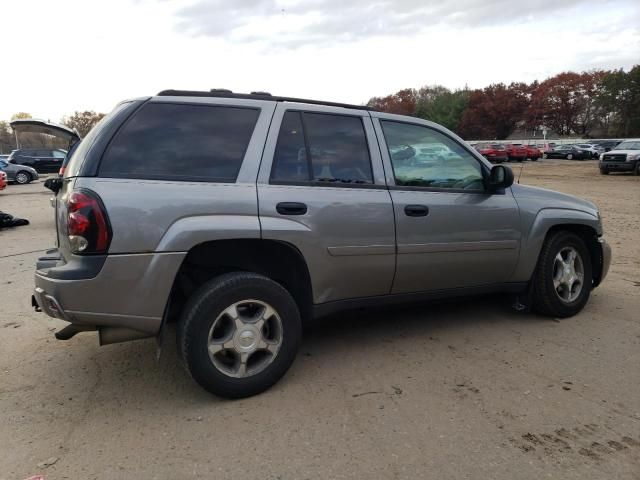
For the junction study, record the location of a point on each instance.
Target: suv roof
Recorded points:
(224, 93)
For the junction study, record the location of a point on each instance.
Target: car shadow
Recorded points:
(132, 368)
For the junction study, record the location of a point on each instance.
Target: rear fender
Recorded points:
(186, 233)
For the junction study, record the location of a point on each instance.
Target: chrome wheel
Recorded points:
(568, 274)
(245, 338)
(22, 178)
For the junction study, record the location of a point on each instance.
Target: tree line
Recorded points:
(598, 103)
(82, 122)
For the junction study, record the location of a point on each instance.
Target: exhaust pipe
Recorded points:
(109, 335)
(72, 330)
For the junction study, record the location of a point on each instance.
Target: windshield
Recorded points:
(633, 145)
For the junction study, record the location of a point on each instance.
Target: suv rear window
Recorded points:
(320, 147)
(181, 142)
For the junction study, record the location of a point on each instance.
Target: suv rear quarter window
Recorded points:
(181, 142)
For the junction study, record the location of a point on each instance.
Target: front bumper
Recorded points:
(618, 166)
(605, 255)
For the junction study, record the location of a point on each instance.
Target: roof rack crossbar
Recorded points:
(219, 93)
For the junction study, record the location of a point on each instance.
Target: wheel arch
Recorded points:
(549, 221)
(280, 261)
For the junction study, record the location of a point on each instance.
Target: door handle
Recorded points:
(291, 208)
(416, 210)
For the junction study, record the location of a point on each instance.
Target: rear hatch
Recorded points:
(33, 125)
(69, 135)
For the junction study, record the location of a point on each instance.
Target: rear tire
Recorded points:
(570, 157)
(559, 289)
(23, 177)
(218, 348)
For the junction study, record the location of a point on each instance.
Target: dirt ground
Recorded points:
(470, 389)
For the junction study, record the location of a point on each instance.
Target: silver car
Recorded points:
(240, 216)
(21, 174)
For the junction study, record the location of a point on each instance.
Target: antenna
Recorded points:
(521, 169)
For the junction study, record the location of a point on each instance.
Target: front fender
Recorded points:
(535, 231)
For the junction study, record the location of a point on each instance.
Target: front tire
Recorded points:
(563, 277)
(636, 171)
(239, 334)
(23, 177)
(604, 171)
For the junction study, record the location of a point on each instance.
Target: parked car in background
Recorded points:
(21, 174)
(623, 158)
(533, 152)
(3, 180)
(304, 208)
(608, 144)
(4, 157)
(43, 160)
(516, 151)
(494, 152)
(570, 152)
(545, 147)
(593, 148)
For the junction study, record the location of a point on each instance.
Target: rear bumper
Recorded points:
(128, 291)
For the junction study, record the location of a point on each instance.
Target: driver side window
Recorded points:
(423, 157)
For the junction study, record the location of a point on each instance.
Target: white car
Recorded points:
(594, 149)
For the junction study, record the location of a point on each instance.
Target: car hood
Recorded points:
(32, 125)
(553, 199)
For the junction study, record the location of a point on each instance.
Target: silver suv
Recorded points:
(240, 216)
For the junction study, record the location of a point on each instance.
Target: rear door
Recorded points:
(321, 188)
(451, 232)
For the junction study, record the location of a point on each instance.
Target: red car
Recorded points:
(516, 151)
(3, 180)
(494, 152)
(533, 152)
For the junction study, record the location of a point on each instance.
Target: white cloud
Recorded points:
(79, 54)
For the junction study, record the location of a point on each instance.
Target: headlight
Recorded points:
(601, 157)
(633, 157)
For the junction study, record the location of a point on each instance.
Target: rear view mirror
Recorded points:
(499, 177)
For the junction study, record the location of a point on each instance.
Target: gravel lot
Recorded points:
(469, 389)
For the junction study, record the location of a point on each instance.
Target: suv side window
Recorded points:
(320, 147)
(424, 157)
(58, 154)
(181, 142)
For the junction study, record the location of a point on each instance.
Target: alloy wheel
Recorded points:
(245, 338)
(22, 178)
(568, 274)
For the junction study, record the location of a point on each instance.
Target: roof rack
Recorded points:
(224, 93)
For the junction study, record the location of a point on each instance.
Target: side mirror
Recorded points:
(54, 184)
(499, 177)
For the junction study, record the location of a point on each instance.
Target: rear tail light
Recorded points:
(87, 223)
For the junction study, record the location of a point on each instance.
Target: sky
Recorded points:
(67, 55)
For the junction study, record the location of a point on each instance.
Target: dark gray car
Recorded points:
(241, 216)
(21, 174)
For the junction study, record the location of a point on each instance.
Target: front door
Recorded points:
(451, 232)
(321, 188)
